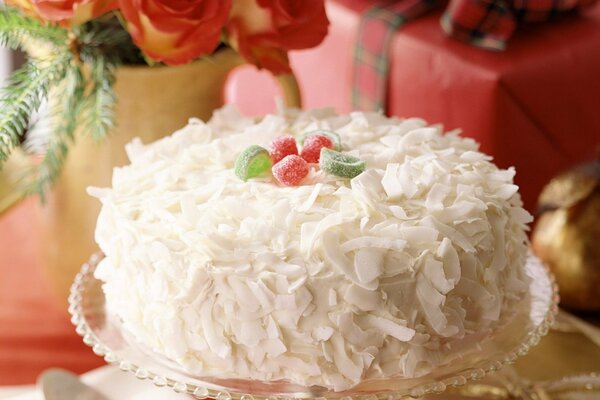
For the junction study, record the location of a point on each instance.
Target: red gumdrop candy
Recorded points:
(291, 170)
(311, 151)
(282, 146)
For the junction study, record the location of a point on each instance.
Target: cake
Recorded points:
(331, 282)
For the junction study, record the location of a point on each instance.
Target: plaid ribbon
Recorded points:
(483, 23)
(371, 52)
(490, 23)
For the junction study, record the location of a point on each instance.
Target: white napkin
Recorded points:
(110, 381)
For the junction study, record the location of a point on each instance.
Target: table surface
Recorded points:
(35, 328)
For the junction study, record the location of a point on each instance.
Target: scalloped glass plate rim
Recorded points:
(103, 333)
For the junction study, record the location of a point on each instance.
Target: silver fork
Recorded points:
(58, 384)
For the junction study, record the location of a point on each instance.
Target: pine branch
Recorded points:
(73, 98)
(63, 120)
(96, 112)
(85, 98)
(107, 38)
(41, 177)
(98, 108)
(101, 45)
(16, 27)
(26, 89)
(86, 107)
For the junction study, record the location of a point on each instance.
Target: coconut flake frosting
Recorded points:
(328, 283)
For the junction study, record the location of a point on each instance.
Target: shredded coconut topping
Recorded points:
(328, 283)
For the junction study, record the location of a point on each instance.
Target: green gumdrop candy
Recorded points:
(331, 135)
(338, 164)
(252, 162)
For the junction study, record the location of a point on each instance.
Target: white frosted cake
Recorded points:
(329, 282)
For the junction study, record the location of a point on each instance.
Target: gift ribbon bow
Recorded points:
(483, 23)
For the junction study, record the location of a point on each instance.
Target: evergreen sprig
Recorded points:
(15, 28)
(98, 112)
(106, 38)
(79, 67)
(63, 121)
(85, 107)
(27, 88)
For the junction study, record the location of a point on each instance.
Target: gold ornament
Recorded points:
(567, 235)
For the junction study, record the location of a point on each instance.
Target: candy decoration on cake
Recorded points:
(291, 170)
(252, 162)
(283, 146)
(331, 135)
(339, 164)
(311, 149)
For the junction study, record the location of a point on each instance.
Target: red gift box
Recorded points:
(533, 106)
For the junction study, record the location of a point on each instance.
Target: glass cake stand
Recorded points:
(104, 333)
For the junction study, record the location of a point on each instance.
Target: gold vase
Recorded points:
(152, 102)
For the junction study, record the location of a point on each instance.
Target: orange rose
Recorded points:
(264, 30)
(175, 32)
(66, 12)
